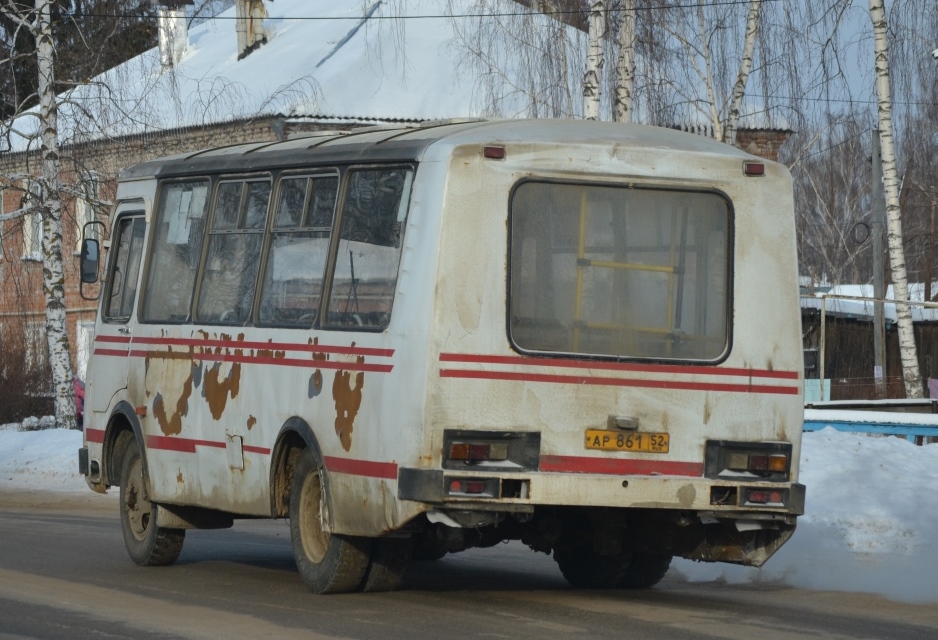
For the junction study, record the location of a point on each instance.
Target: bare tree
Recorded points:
(625, 66)
(594, 60)
(48, 205)
(907, 350)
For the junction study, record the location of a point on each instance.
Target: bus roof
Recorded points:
(408, 143)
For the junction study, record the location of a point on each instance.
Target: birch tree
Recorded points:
(907, 351)
(625, 66)
(594, 60)
(742, 77)
(48, 205)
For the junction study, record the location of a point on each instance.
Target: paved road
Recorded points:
(64, 574)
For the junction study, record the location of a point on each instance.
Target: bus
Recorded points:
(413, 340)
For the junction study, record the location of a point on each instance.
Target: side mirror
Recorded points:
(90, 259)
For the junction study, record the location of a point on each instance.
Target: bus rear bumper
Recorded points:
(696, 518)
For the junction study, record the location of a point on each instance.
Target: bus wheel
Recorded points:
(147, 544)
(389, 560)
(645, 570)
(586, 569)
(327, 563)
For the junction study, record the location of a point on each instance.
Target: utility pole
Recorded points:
(878, 224)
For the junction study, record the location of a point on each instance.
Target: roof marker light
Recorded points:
(753, 168)
(494, 153)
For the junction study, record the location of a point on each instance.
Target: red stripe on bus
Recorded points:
(367, 468)
(264, 451)
(284, 362)
(118, 339)
(188, 445)
(620, 466)
(616, 382)
(94, 435)
(273, 346)
(111, 352)
(183, 445)
(616, 366)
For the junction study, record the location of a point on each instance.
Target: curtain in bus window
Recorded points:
(296, 260)
(177, 248)
(229, 277)
(373, 214)
(619, 272)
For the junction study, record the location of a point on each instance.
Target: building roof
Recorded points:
(343, 61)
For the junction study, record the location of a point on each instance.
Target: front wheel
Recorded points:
(147, 544)
(327, 562)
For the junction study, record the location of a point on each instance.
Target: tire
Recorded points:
(147, 544)
(586, 569)
(327, 563)
(645, 570)
(389, 560)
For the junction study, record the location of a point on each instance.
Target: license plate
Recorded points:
(627, 441)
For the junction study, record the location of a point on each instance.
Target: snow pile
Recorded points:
(871, 523)
(40, 460)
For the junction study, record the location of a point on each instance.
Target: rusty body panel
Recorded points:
(218, 397)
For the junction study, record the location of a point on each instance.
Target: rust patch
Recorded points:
(707, 409)
(251, 422)
(169, 379)
(179, 478)
(347, 402)
(217, 390)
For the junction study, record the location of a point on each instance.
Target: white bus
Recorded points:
(415, 340)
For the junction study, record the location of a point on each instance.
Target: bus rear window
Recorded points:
(619, 272)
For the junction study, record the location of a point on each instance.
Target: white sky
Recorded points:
(871, 523)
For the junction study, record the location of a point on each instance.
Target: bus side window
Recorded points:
(234, 250)
(122, 281)
(299, 248)
(373, 215)
(177, 248)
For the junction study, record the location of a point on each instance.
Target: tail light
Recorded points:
(755, 460)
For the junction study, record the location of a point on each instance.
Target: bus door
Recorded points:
(107, 371)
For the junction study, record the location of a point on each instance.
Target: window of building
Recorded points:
(299, 249)
(619, 272)
(36, 346)
(84, 332)
(374, 210)
(226, 294)
(85, 211)
(177, 248)
(32, 222)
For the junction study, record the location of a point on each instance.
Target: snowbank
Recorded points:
(871, 523)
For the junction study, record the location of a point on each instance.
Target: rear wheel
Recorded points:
(147, 544)
(327, 562)
(645, 570)
(586, 569)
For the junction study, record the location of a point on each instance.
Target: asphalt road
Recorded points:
(64, 574)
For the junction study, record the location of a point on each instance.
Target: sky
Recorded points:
(871, 521)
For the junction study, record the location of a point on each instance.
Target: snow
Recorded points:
(840, 300)
(871, 521)
(355, 62)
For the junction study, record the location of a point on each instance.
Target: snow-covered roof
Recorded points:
(846, 306)
(341, 61)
